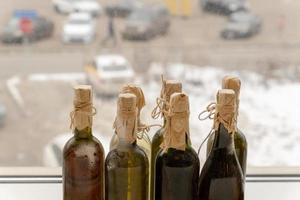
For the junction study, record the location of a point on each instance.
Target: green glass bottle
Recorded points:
(126, 166)
(177, 165)
(240, 141)
(168, 88)
(143, 139)
(222, 177)
(83, 154)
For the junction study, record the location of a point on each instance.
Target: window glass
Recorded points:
(197, 42)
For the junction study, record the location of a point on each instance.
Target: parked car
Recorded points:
(53, 151)
(241, 25)
(122, 8)
(80, 27)
(225, 7)
(147, 23)
(68, 6)
(26, 26)
(108, 73)
(2, 114)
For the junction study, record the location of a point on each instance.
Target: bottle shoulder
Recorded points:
(240, 138)
(179, 157)
(131, 155)
(76, 144)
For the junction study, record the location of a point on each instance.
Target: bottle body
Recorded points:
(83, 167)
(126, 173)
(221, 177)
(177, 175)
(240, 145)
(155, 149)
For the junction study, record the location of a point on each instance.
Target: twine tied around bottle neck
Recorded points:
(177, 123)
(81, 116)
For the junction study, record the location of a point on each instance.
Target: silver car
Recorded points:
(241, 25)
(147, 23)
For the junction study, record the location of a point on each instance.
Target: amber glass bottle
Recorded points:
(177, 165)
(222, 177)
(240, 142)
(83, 154)
(126, 166)
(168, 88)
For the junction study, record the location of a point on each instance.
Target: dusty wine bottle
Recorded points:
(240, 142)
(168, 88)
(126, 166)
(83, 154)
(222, 177)
(143, 139)
(177, 165)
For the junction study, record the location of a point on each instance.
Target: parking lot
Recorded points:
(194, 40)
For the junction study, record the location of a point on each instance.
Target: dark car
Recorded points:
(122, 8)
(147, 23)
(224, 7)
(242, 25)
(26, 26)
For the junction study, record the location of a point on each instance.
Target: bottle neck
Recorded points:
(85, 133)
(223, 139)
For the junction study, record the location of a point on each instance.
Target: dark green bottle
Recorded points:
(177, 165)
(168, 88)
(126, 166)
(222, 177)
(240, 141)
(83, 154)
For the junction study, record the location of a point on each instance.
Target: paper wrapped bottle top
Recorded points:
(233, 83)
(226, 110)
(83, 107)
(125, 122)
(138, 92)
(177, 127)
(170, 87)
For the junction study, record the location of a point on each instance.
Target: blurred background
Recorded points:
(49, 46)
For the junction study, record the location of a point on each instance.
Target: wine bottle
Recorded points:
(126, 166)
(222, 177)
(143, 139)
(177, 165)
(83, 154)
(168, 88)
(240, 142)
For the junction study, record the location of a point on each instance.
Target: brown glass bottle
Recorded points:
(177, 165)
(222, 177)
(83, 154)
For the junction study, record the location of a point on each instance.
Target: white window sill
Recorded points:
(45, 183)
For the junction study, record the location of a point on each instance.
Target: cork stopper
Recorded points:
(125, 122)
(233, 83)
(177, 127)
(83, 109)
(138, 92)
(226, 110)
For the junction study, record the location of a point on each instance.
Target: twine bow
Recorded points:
(79, 107)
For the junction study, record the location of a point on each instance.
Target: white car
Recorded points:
(80, 27)
(108, 73)
(68, 6)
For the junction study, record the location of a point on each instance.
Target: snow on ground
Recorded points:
(269, 112)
